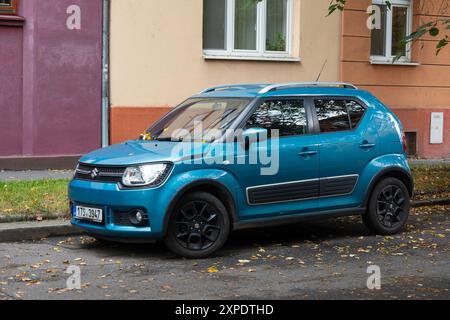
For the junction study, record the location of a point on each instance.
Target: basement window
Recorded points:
(411, 143)
(9, 6)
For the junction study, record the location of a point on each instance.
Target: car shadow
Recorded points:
(317, 231)
(242, 240)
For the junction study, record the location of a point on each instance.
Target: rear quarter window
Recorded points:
(332, 115)
(336, 115)
(356, 112)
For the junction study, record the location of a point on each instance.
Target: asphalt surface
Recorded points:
(315, 260)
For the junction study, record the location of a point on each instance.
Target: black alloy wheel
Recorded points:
(198, 226)
(388, 208)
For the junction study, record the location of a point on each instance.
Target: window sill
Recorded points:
(11, 20)
(376, 61)
(252, 58)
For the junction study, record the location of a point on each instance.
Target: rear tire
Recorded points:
(388, 208)
(198, 226)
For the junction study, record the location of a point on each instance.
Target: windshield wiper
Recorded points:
(169, 139)
(164, 139)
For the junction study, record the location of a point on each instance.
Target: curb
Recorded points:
(16, 218)
(424, 203)
(10, 232)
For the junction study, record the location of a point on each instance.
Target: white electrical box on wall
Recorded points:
(437, 128)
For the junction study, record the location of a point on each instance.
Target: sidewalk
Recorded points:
(429, 162)
(67, 174)
(35, 175)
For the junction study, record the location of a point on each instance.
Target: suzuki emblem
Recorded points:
(94, 173)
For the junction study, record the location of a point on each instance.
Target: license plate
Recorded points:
(89, 214)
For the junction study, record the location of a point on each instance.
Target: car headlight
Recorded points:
(145, 175)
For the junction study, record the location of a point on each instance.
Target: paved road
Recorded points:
(327, 259)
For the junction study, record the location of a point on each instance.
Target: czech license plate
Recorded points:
(89, 214)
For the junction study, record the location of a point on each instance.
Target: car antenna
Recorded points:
(320, 73)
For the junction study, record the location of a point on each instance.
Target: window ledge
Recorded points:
(252, 58)
(11, 20)
(396, 63)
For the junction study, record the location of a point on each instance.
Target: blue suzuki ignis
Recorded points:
(242, 156)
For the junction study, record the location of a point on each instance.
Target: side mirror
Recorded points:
(253, 135)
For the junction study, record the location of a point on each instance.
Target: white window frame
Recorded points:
(375, 59)
(260, 53)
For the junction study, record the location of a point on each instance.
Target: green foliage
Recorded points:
(336, 5)
(278, 45)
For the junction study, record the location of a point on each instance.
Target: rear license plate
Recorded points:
(88, 214)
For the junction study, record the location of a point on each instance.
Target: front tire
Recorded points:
(198, 226)
(388, 208)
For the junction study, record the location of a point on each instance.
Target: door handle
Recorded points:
(307, 153)
(367, 145)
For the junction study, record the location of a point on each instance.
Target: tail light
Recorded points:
(405, 146)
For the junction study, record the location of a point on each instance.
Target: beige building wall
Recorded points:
(157, 57)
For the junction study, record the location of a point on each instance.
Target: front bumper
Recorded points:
(114, 201)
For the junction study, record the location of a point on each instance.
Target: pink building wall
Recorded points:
(51, 103)
(10, 90)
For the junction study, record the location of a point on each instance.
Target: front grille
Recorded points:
(99, 173)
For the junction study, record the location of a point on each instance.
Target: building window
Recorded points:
(247, 28)
(396, 24)
(8, 6)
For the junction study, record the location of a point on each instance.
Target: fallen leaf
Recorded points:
(244, 261)
(33, 282)
(213, 269)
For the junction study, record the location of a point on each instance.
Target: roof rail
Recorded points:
(235, 87)
(275, 87)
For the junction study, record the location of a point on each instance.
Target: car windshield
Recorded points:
(199, 119)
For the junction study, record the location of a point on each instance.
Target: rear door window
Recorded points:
(286, 116)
